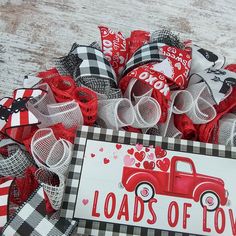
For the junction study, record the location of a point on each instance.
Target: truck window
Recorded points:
(184, 167)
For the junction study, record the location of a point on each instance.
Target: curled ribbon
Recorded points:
(50, 153)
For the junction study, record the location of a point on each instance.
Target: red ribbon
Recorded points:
(136, 40)
(114, 48)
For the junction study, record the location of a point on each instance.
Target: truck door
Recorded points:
(183, 178)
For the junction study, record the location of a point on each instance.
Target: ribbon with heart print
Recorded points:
(114, 47)
(16, 121)
(136, 40)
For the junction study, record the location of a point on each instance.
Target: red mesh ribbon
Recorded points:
(209, 132)
(115, 49)
(88, 102)
(24, 186)
(185, 125)
(62, 88)
(136, 40)
(48, 73)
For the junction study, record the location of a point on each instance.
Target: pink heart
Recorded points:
(128, 161)
(92, 155)
(139, 146)
(101, 149)
(85, 201)
(115, 157)
(150, 156)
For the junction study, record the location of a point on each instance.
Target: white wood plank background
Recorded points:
(33, 31)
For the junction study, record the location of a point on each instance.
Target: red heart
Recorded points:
(149, 165)
(139, 155)
(137, 164)
(92, 155)
(106, 160)
(85, 201)
(131, 151)
(159, 152)
(163, 164)
(118, 146)
(147, 149)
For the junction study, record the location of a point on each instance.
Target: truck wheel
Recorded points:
(210, 200)
(145, 191)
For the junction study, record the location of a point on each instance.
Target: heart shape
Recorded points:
(163, 164)
(131, 151)
(85, 201)
(118, 146)
(101, 149)
(178, 65)
(128, 161)
(147, 149)
(139, 155)
(106, 161)
(150, 156)
(139, 146)
(137, 164)
(92, 155)
(159, 152)
(115, 157)
(149, 165)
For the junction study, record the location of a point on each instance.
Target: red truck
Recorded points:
(182, 181)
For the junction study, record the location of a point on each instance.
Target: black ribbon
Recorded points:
(18, 104)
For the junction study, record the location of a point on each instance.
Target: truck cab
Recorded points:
(182, 180)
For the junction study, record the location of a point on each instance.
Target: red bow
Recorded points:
(15, 118)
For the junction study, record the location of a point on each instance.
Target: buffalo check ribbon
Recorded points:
(15, 118)
(31, 219)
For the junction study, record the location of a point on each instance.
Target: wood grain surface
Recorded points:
(33, 32)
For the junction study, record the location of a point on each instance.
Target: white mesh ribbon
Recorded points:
(54, 191)
(181, 102)
(202, 110)
(147, 113)
(50, 153)
(15, 163)
(227, 130)
(136, 90)
(67, 113)
(116, 113)
(41, 102)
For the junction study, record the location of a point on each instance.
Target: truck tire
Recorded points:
(145, 191)
(210, 200)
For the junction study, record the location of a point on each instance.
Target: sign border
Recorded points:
(90, 227)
